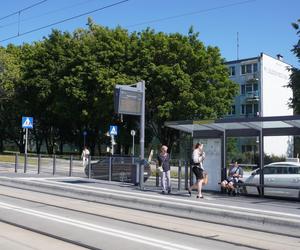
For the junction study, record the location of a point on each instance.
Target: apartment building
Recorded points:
(263, 92)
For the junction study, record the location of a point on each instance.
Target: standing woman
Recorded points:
(198, 158)
(164, 161)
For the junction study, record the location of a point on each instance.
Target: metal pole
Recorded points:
(25, 163)
(71, 165)
(112, 144)
(133, 145)
(16, 163)
(186, 175)
(261, 163)
(26, 137)
(89, 166)
(109, 168)
(39, 163)
(54, 164)
(142, 134)
(179, 175)
(157, 176)
(191, 175)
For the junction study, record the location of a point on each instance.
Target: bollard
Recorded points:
(25, 163)
(54, 164)
(89, 166)
(142, 169)
(157, 176)
(39, 163)
(109, 168)
(71, 165)
(179, 175)
(191, 175)
(16, 163)
(186, 175)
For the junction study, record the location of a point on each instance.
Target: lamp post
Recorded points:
(132, 132)
(84, 135)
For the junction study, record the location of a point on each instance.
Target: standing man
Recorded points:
(85, 156)
(164, 161)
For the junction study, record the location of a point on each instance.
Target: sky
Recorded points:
(240, 28)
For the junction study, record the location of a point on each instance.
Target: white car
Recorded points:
(277, 173)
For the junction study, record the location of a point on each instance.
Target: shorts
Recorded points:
(198, 172)
(231, 180)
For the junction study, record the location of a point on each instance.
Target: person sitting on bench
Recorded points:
(235, 173)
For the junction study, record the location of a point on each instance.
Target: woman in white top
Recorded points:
(85, 156)
(198, 158)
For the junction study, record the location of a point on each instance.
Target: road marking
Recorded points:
(96, 228)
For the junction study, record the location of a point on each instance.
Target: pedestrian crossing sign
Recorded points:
(27, 122)
(113, 130)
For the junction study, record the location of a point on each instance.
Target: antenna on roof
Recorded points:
(237, 46)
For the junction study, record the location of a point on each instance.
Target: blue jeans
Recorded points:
(166, 180)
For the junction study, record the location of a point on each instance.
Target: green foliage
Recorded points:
(66, 82)
(294, 83)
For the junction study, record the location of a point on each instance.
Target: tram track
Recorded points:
(53, 236)
(140, 218)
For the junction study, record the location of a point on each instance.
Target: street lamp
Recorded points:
(132, 132)
(84, 135)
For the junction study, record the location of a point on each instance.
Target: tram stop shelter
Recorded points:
(215, 133)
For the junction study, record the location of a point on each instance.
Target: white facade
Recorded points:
(274, 93)
(263, 92)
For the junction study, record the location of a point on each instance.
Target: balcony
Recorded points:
(252, 96)
(251, 78)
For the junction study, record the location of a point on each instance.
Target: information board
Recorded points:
(128, 101)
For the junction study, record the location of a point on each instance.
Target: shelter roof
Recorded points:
(251, 126)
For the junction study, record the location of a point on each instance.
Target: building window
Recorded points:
(242, 109)
(249, 87)
(249, 109)
(254, 67)
(232, 110)
(243, 89)
(256, 109)
(248, 68)
(232, 71)
(243, 69)
(255, 86)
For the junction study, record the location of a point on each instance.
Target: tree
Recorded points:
(294, 83)
(68, 79)
(10, 74)
(184, 79)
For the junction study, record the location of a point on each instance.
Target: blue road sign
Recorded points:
(27, 122)
(113, 130)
